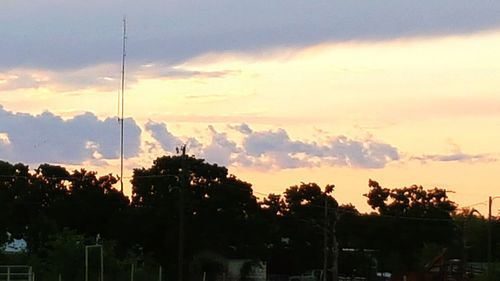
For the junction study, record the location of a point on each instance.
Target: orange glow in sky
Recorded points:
(434, 99)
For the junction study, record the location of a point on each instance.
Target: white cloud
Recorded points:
(4, 139)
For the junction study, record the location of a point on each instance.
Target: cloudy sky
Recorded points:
(403, 92)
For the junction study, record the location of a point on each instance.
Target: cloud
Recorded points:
(339, 151)
(178, 72)
(242, 128)
(56, 34)
(85, 138)
(12, 80)
(49, 138)
(221, 149)
(102, 77)
(159, 132)
(365, 154)
(274, 149)
(455, 157)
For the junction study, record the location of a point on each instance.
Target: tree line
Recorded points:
(59, 211)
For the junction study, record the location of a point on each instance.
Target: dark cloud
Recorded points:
(57, 34)
(49, 138)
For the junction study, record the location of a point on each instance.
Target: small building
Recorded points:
(210, 266)
(14, 245)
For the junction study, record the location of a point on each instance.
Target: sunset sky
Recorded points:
(281, 92)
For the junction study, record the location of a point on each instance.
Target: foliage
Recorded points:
(298, 225)
(221, 212)
(18, 202)
(416, 217)
(411, 201)
(59, 211)
(65, 256)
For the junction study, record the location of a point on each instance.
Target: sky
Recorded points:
(280, 92)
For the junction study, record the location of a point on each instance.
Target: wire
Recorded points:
(476, 204)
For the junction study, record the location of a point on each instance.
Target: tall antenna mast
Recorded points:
(122, 101)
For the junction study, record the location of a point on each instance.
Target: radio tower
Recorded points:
(121, 101)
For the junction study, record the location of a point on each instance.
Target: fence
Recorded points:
(16, 273)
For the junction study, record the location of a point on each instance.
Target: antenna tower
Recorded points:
(121, 102)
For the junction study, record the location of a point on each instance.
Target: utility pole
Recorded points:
(182, 187)
(335, 248)
(490, 277)
(329, 189)
(325, 240)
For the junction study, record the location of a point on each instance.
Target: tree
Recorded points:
(298, 243)
(18, 198)
(65, 255)
(474, 233)
(52, 182)
(221, 211)
(416, 217)
(411, 201)
(92, 205)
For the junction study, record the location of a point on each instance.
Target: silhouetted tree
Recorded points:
(51, 207)
(415, 217)
(411, 201)
(18, 198)
(221, 211)
(474, 234)
(298, 242)
(93, 204)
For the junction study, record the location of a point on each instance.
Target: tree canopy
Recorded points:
(52, 207)
(221, 212)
